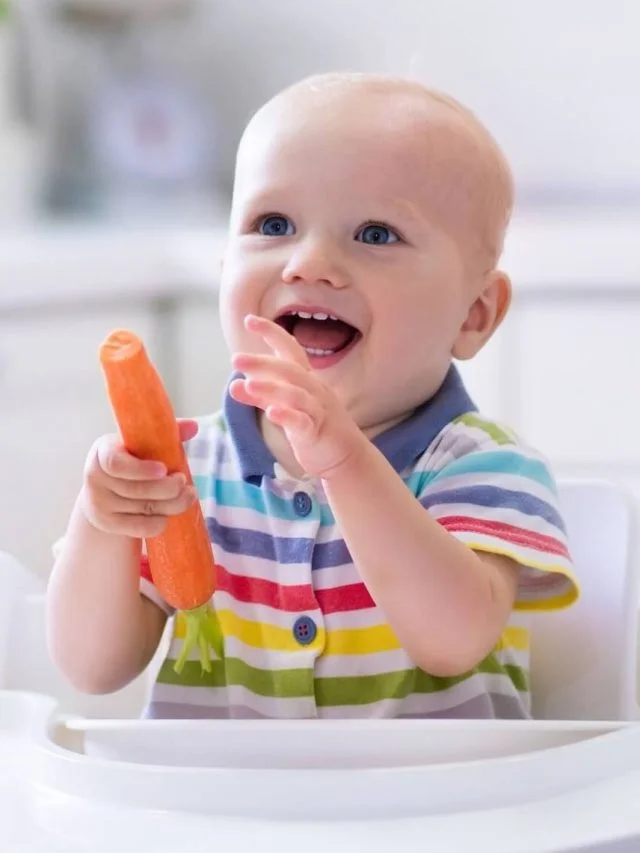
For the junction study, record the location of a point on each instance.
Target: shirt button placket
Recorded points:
(305, 629)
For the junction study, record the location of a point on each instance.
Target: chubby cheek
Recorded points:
(242, 290)
(416, 336)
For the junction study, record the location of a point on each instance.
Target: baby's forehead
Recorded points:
(407, 132)
(379, 118)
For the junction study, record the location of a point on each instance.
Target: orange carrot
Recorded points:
(180, 558)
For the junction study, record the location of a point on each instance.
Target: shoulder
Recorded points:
(492, 490)
(477, 451)
(472, 436)
(471, 433)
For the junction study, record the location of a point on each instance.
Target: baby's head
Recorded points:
(381, 203)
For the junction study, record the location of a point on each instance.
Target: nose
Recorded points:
(314, 261)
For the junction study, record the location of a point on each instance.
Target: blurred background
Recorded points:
(118, 125)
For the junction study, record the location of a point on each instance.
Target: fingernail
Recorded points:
(180, 478)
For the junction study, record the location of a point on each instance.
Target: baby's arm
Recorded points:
(484, 535)
(101, 631)
(446, 604)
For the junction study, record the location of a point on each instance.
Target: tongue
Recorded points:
(322, 334)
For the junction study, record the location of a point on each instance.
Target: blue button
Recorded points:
(305, 630)
(302, 503)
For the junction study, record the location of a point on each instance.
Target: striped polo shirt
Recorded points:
(302, 636)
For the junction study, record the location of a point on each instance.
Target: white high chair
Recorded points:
(584, 660)
(24, 661)
(15, 584)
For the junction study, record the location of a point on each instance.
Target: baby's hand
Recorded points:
(320, 430)
(129, 496)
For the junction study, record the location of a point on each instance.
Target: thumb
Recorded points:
(188, 428)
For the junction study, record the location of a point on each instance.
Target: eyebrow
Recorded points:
(262, 197)
(405, 209)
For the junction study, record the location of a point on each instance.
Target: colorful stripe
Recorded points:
(496, 432)
(499, 462)
(352, 641)
(240, 495)
(494, 497)
(506, 533)
(293, 598)
(294, 683)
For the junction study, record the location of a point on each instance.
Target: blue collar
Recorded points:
(402, 444)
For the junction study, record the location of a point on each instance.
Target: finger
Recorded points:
(239, 393)
(149, 508)
(139, 526)
(290, 419)
(188, 428)
(295, 420)
(115, 461)
(242, 392)
(271, 366)
(152, 490)
(280, 341)
(271, 393)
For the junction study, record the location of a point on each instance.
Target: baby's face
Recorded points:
(347, 213)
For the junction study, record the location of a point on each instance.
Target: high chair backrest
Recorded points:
(584, 659)
(24, 659)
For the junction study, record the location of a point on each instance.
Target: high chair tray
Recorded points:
(330, 769)
(60, 790)
(324, 744)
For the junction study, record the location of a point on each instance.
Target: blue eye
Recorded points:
(275, 226)
(377, 235)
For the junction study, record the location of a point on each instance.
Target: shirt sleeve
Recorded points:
(505, 501)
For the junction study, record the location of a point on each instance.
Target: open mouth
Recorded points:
(324, 337)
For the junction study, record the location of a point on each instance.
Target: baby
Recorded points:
(379, 543)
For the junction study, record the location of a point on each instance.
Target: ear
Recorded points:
(485, 315)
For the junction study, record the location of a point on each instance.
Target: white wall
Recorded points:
(556, 80)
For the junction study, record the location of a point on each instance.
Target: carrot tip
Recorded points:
(120, 344)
